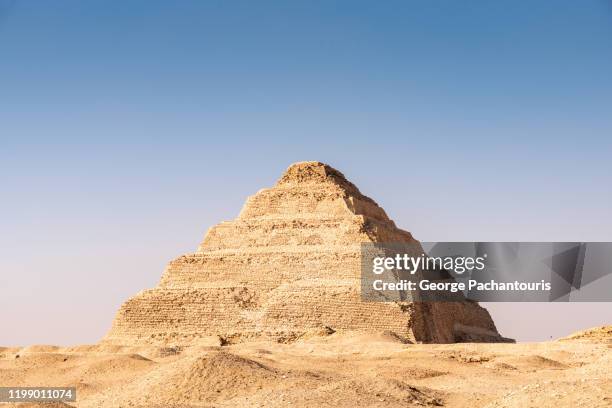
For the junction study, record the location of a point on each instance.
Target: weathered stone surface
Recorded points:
(287, 266)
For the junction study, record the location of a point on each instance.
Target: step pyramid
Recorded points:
(289, 265)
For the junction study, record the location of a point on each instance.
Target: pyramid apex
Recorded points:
(312, 172)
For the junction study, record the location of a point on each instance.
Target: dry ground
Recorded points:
(338, 370)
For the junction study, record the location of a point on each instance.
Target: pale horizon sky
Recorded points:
(127, 129)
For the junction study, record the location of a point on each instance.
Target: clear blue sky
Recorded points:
(127, 128)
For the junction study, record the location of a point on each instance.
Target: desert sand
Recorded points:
(326, 370)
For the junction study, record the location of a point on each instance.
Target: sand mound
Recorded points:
(117, 363)
(99, 348)
(597, 334)
(351, 393)
(593, 393)
(216, 376)
(391, 371)
(532, 362)
(356, 338)
(39, 359)
(39, 349)
(209, 369)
